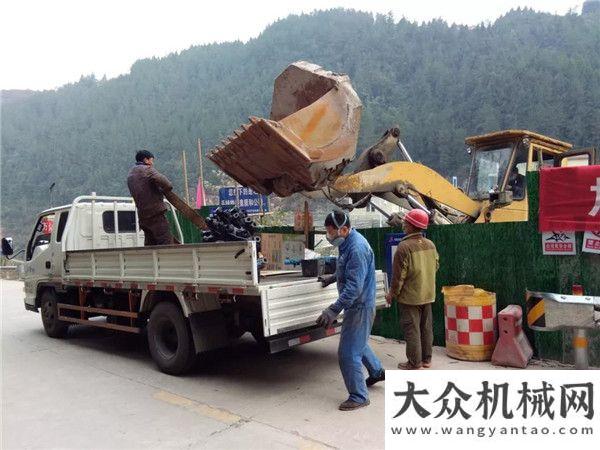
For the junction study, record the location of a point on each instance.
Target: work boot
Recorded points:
(408, 366)
(372, 380)
(350, 405)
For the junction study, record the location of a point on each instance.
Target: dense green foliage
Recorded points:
(440, 83)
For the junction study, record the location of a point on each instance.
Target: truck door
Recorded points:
(56, 245)
(38, 265)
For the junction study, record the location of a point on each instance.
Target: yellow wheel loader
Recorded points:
(309, 143)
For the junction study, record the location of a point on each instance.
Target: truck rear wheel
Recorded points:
(49, 311)
(170, 339)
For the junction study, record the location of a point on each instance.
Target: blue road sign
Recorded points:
(245, 199)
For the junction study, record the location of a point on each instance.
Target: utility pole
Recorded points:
(306, 223)
(201, 173)
(50, 190)
(185, 178)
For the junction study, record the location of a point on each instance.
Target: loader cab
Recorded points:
(500, 162)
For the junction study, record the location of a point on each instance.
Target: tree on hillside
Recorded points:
(439, 82)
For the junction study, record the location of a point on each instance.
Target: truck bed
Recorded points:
(288, 300)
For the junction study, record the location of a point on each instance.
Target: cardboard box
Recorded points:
(276, 248)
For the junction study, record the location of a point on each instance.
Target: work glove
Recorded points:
(327, 318)
(326, 280)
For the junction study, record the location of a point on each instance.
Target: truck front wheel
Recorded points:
(49, 310)
(170, 339)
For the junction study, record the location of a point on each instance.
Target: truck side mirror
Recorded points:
(7, 248)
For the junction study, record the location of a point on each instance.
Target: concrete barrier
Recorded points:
(512, 349)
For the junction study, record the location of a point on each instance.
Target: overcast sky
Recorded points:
(47, 43)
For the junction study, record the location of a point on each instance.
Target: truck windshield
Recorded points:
(41, 235)
(489, 168)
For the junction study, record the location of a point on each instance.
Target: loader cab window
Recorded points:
(488, 171)
(540, 158)
(41, 235)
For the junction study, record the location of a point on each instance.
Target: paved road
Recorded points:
(99, 389)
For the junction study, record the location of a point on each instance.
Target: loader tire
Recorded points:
(170, 339)
(49, 311)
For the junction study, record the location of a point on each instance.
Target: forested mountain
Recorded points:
(15, 95)
(439, 82)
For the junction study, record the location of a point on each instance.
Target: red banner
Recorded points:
(570, 198)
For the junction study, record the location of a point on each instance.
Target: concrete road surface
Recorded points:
(100, 389)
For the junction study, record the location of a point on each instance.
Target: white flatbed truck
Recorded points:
(86, 265)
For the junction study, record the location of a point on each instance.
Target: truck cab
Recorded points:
(89, 223)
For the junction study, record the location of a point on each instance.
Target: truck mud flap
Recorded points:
(291, 339)
(208, 331)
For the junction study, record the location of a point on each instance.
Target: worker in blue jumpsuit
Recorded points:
(355, 276)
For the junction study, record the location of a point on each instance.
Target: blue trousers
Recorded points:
(354, 352)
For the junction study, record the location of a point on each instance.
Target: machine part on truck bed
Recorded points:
(229, 225)
(308, 140)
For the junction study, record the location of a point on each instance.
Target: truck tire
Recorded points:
(170, 339)
(49, 311)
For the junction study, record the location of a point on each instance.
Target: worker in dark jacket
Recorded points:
(355, 274)
(147, 187)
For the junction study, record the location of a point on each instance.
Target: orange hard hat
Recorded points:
(418, 218)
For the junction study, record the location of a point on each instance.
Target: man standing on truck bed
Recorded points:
(355, 274)
(147, 187)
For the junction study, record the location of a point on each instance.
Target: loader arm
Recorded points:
(408, 177)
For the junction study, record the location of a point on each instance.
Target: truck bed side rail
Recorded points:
(288, 307)
(218, 264)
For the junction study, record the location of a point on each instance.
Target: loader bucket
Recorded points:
(308, 140)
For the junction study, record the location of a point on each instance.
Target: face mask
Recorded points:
(336, 241)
